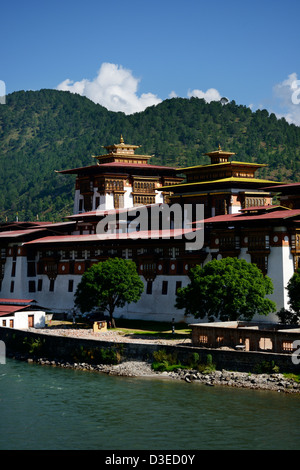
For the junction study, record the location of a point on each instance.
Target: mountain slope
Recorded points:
(48, 130)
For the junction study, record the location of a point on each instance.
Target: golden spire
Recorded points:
(220, 147)
(121, 140)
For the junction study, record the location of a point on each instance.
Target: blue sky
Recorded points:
(129, 54)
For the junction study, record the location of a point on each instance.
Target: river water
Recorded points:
(49, 408)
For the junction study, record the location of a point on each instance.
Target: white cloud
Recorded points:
(173, 94)
(114, 87)
(287, 93)
(210, 95)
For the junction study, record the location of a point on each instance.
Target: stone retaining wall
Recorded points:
(63, 347)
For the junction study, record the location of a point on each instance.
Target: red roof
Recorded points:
(18, 233)
(101, 213)
(263, 208)
(147, 234)
(281, 214)
(118, 165)
(10, 306)
(283, 186)
(11, 309)
(136, 165)
(15, 301)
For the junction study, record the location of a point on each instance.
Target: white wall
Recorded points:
(76, 201)
(20, 319)
(157, 306)
(128, 198)
(280, 270)
(20, 279)
(60, 300)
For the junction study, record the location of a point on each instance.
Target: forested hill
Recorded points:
(47, 130)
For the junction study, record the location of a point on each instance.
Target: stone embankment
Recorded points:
(271, 382)
(138, 368)
(275, 382)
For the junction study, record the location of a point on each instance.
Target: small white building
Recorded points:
(20, 314)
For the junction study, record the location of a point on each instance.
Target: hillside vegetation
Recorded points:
(47, 130)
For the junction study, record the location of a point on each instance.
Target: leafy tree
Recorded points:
(293, 289)
(226, 289)
(287, 317)
(107, 285)
(292, 316)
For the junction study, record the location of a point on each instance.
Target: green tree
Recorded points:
(107, 285)
(227, 289)
(293, 289)
(288, 317)
(292, 316)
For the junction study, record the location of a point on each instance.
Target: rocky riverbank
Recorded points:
(271, 382)
(277, 382)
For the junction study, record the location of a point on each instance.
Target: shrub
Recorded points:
(97, 356)
(33, 345)
(162, 356)
(286, 317)
(209, 359)
(266, 367)
(169, 362)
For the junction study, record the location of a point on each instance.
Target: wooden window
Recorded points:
(40, 285)
(203, 339)
(31, 286)
(296, 262)
(265, 344)
(149, 287)
(12, 286)
(31, 269)
(287, 346)
(71, 285)
(178, 286)
(261, 262)
(13, 269)
(164, 288)
(51, 286)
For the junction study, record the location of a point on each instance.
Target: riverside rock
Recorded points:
(143, 369)
(130, 368)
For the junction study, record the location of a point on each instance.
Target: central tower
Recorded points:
(121, 179)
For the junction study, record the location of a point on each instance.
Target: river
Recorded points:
(51, 408)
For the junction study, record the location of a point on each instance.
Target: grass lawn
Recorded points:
(133, 327)
(152, 328)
